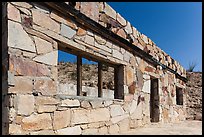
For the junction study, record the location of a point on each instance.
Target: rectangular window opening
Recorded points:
(79, 75)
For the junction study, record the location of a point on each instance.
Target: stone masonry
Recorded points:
(32, 102)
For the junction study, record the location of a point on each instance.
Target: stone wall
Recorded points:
(35, 33)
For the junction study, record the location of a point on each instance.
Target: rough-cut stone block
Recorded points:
(127, 56)
(113, 129)
(85, 104)
(42, 100)
(18, 38)
(117, 54)
(135, 123)
(144, 38)
(119, 118)
(133, 106)
(16, 130)
(13, 13)
(11, 80)
(70, 103)
(90, 9)
(116, 110)
(66, 21)
(37, 122)
(130, 75)
(22, 4)
(120, 19)
(96, 103)
(89, 40)
(44, 20)
(81, 32)
(124, 125)
(42, 46)
(110, 11)
(128, 28)
(76, 130)
(104, 48)
(67, 31)
(45, 86)
(43, 132)
(103, 130)
(22, 85)
(25, 11)
(122, 33)
(100, 40)
(108, 102)
(61, 119)
(137, 114)
(79, 116)
(46, 108)
(90, 131)
(100, 114)
(25, 105)
(146, 86)
(49, 58)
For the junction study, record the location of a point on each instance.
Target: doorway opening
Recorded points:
(154, 100)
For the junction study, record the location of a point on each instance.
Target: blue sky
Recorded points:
(176, 27)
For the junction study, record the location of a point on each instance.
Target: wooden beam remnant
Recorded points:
(79, 76)
(100, 83)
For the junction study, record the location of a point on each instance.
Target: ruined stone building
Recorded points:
(149, 85)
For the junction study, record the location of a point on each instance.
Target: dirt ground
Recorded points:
(183, 128)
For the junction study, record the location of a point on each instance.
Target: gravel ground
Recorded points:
(182, 128)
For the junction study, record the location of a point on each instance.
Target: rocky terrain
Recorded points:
(194, 95)
(68, 74)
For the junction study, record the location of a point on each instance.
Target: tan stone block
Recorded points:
(130, 75)
(81, 32)
(124, 125)
(113, 129)
(100, 114)
(45, 86)
(110, 11)
(18, 38)
(42, 100)
(128, 28)
(120, 19)
(100, 40)
(61, 119)
(90, 9)
(66, 21)
(79, 116)
(70, 103)
(122, 33)
(22, 4)
(46, 108)
(103, 130)
(37, 122)
(44, 20)
(90, 131)
(13, 13)
(25, 104)
(16, 130)
(48, 58)
(22, 85)
(137, 114)
(42, 46)
(76, 130)
(118, 118)
(116, 110)
(43, 132)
